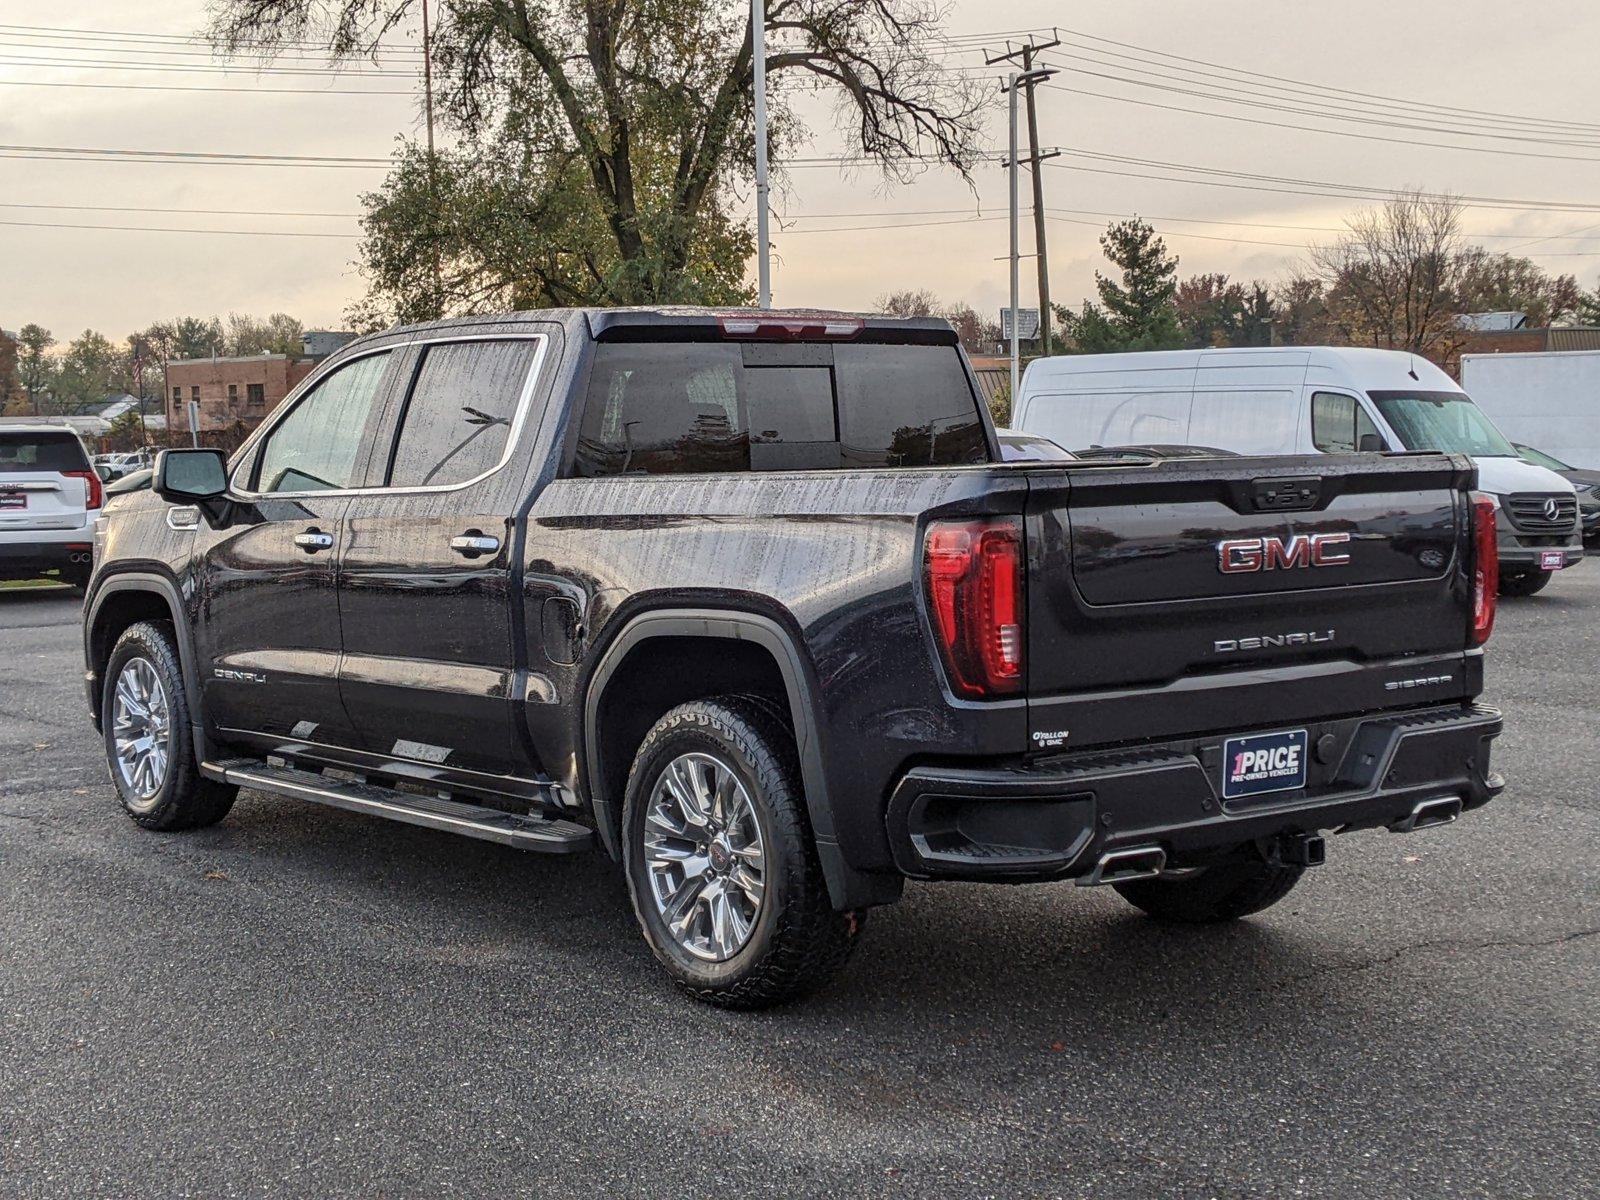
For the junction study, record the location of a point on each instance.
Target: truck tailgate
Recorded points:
(1214, 594)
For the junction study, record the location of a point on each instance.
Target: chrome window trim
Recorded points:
(519, 422)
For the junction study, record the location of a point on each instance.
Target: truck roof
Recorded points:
(700, 322)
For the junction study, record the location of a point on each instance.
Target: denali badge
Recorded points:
(1274, 554)
(1271, 641)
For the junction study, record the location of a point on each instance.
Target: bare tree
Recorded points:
(1391, 281)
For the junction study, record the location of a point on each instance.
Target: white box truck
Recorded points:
(1548, 401)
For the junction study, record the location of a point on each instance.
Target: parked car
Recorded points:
(1307, 400)
(1586, 483)
(727, 597)
(50, 495)
(1027, 447)
(134, 481)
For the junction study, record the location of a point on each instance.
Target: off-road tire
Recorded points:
(1223, 892)
(799, 941)
(1525, 583)
(186, 799)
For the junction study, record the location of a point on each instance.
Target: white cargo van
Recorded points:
(1305, 400)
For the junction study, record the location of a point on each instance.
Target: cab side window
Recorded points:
(459, 418)
(1338, 423)
(314, 448)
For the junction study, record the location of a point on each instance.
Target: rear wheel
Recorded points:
(1223, 892)
(1525, 583)
(720, 860)
(149, 745)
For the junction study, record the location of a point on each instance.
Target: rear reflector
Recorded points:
(1485, 568)
(94, 488)
(973, 576)
(789, 329)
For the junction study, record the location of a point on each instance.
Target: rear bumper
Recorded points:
(19, 558)
(1058, 820)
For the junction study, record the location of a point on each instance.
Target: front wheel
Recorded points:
(1223, 892)
(149, 747)
(1525, 584)
(721, 866)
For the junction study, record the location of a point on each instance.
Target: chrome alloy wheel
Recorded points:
(703, 850)
(141, 730)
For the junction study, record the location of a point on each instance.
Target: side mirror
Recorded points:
(191, 476)
(104, 472)
(1371, 443)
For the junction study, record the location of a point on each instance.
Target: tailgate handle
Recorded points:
(1286, 495)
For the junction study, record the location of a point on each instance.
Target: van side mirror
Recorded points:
(191, 476)
(1371, 443)
(104, 472)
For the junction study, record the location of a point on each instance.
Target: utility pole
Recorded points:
(1029, 77)
(758, 52)
(1015, 81)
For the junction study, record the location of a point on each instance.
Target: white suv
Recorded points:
(49, 498)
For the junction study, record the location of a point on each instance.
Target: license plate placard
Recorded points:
(11, 501)
(1552, 560)
(1263, 762)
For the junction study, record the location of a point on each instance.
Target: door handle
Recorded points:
(313, 540)
(472, 544)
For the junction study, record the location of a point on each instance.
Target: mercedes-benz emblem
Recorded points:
(1552, 509)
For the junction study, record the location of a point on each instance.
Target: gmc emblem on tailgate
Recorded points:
(1239, 555)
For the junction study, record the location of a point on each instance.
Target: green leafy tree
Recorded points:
(91, 367)
(35, 367)
(597, 145)
(1216, 311)
(11, 392)
(1136, 309)
(1589, 307)
(1506, 283)
(278, 334)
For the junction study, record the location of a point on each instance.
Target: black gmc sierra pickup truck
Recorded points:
(750, 602)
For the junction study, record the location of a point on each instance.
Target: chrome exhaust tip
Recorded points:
(1119, 866)
(1441, 810)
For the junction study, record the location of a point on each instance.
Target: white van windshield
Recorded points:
(1447, 421)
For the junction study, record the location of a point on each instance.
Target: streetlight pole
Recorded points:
(758, 50)
(1016, 283)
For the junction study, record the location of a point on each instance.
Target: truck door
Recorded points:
(269, 629)
(431, 669)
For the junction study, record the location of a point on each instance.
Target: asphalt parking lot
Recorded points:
(303, 1001)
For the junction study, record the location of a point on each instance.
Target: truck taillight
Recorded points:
(93, 488)
(1485, 567)
(973, 575)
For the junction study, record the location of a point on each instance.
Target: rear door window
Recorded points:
(671, 408)
(463, 407)
(21, 453)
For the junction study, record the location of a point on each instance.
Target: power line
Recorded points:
(212, 157)
(177, 87)
(1356, 116)
(171, 229)
(1369, 137)
(1322, 87)
(1307, 187)
(208, 212)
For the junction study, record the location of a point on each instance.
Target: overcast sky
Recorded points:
(1471, 54)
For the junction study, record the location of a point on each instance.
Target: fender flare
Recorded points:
(847, 887)
(149, 583)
